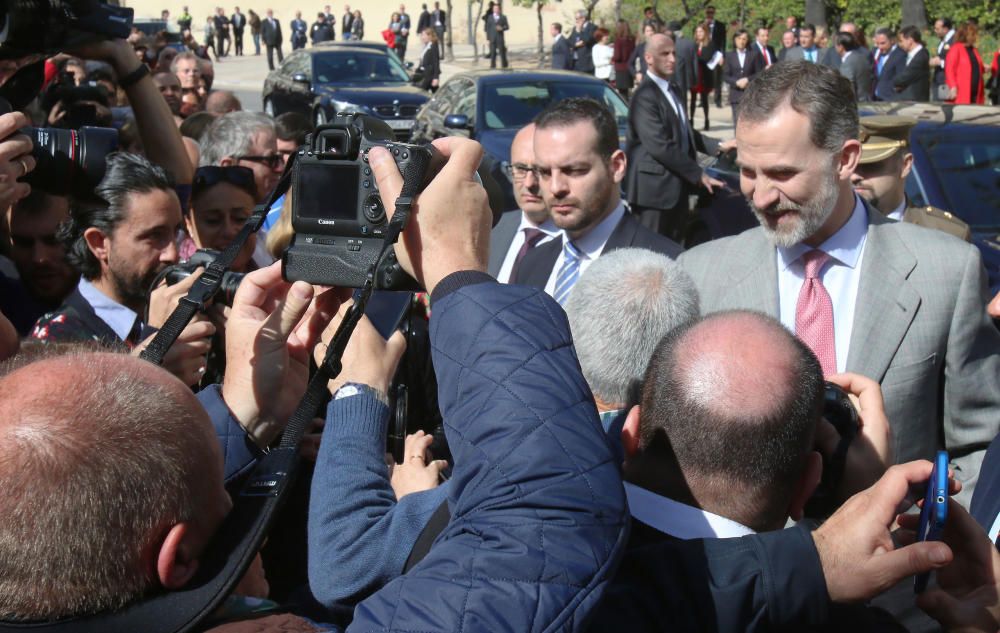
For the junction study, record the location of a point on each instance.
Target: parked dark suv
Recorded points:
(345, 77)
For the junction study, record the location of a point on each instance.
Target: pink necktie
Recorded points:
(814, 313)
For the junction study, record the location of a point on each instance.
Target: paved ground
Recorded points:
(245, 76)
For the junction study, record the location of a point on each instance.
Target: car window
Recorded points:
(465, 102)
(296, 64)
(507, 106)
(965, 161)
(358, 67)
(443, 101)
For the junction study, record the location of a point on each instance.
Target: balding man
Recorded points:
(662, 166)
(528, 226)
(221, 102)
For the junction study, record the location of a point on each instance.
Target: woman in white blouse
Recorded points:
(602, 54)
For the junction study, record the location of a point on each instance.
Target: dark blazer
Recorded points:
(239, 22)
(753, 63)
(562, 56)
(985, 504)
(537, 265)
(858, 69)
(423, 21)
(945, 46)
(637, 61)
(896, 62)
(755, 47)
(430, 65)
(913, 82)
(584, 60)
(270, 32)
(718, 35)
(491, 28)
(662, 163)
(686, 66)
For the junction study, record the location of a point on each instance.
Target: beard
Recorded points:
(811, 216)
(132, 286)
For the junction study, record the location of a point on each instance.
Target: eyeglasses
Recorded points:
(212, 175)
(273, 161)
(520, 171)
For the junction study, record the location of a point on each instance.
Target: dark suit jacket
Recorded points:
(562, 56)
(939, 78)
(913, 82)
(270, 33)
(637, 61)
(423, 21)
(755, 47)
(985, 504)
(686, 66)
(858, 69)
(430, 64)
(492, 34)
(500, 240)
(884, 88)
(718, 35)
(753, 63)
(662, 163)
(239, 22)
(584, 60)
(537, 265)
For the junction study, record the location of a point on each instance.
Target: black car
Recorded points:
(490, 106)
(344, 77)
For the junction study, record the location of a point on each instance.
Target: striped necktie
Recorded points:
(569, 272)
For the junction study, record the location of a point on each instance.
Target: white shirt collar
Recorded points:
(916, 49)
(846, 55)
(546, 227)
(677, 519)
(592, 243)
(845, 245)
(947, 36)
(557, 37)
(118, 317)
(897, 213)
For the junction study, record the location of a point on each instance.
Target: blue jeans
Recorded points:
(256, 43)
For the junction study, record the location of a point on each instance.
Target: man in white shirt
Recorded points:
(528, 226)
(580, 168)
(944, 29)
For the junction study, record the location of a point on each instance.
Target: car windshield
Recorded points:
(508, 106)
(966, 162)
(358, 67)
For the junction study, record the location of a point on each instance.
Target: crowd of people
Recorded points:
(897, 68)
(606, 431)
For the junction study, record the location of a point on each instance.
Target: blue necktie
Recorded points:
(569, 272)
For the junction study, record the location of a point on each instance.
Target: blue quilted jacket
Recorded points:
(538, 512)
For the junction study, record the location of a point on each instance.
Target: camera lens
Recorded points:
(70, 162)
(373, 209)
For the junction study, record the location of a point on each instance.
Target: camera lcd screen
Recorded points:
(327, 192)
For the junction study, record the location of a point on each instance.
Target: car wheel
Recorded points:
(269, 108)
(319, 118)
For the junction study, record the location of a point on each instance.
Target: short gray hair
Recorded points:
(819, 92)
(232, 135)
(185, 56)
(619, 310)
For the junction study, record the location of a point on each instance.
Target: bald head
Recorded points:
(221, 102)
(734, 398)
(659, 55)
(131, 454)
(525, 180)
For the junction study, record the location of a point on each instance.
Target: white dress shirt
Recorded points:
(118, 317)
(840, 276)
(551, 231)
(897, 213)
(913, 51)
(677, 519)
(590, 245)
(947, 38)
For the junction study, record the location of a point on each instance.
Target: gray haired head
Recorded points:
(619, 310)
(232, 135)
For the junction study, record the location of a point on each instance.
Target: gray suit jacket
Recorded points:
(920, 329)
(797, 54)
(858, 69)
(500, 240)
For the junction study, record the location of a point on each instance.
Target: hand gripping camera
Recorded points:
(337, 212)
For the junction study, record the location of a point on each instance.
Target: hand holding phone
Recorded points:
(934, 511)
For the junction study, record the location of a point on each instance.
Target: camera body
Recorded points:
(337, 211)
(202, 258)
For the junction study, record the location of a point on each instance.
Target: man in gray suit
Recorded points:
(806, 49)
(855, 65)
(898, 303)
(686, 62)
(519, 231)
(561, 55)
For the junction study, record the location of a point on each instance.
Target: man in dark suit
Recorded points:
(662, 145)
(717, 31)
(912, 83)
(561, 55)
(686, 62)
(582, 41)
(438, 22)
(424, 20)
(239, 22)
(889, 61)
(741, 66)
(855, 65)
(762, 48)
(270, 32)
(403, 36)
(527, 227)
(581, 167)
(944, 28)
(496, 27)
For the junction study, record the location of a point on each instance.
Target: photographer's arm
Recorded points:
(160, 136)
(15, 158)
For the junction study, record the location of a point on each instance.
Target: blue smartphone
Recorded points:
(935, 511)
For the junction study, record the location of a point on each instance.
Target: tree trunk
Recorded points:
(914, 14)
(541, 34)
(816, 12)
(450, 52)
(618, 12)
(475, 33)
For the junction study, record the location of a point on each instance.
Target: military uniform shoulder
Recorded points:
(935, 218)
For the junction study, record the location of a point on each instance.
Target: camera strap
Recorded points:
(241, 535)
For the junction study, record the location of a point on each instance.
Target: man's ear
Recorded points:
(227, 161)
(630, 433)
(907, 166)
(98, 243)
(806, 485)
(175, 563)
(850, 154)
(618, 164)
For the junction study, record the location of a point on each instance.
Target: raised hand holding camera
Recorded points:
(15, 158)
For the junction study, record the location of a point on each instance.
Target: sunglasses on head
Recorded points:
(273, 161)
(212, 175)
